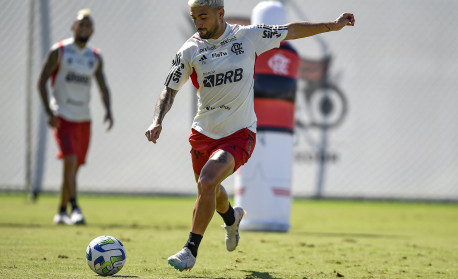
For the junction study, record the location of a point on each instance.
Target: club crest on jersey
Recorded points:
(223, 78)
(237, 48)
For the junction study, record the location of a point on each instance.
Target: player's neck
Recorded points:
(221, 30)
(80, 45)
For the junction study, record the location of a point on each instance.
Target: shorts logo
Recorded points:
(223, 78)
(237, 48)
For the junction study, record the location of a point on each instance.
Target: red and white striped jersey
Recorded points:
(72, 81)
(223, 71)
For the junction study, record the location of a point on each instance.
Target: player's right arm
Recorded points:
(163, 105)
(49, 67)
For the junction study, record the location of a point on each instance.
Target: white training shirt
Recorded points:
(72, 81)
(223, 71)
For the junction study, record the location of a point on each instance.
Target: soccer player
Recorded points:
(71, 65)
(220, 60)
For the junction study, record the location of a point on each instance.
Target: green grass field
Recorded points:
(328, 239)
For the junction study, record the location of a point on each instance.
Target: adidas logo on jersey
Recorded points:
(223, 78)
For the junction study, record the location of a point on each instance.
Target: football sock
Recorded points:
(73, 203)
(193, 243)
(229, 216)
(63, 209)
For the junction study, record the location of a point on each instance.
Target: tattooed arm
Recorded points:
(304, 29)
(163, 105)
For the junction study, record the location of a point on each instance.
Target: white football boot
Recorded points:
(183, 260)
(232, 232)
(62, 218)
(77, 217)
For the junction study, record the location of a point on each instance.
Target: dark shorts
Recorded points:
(73, 139)
(240, 144)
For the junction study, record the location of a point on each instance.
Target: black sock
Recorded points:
(228, 217)
(73, 203)
(63, 209)
(193, 243)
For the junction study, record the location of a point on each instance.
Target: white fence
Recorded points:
(397, 70)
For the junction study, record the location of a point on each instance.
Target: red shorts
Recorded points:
(73, 139)
(240, 144)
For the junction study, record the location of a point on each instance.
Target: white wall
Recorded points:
(397, 68)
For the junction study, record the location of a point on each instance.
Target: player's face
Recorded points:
(82, 29)
(207, 21)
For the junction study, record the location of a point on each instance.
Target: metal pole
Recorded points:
(324, 130)
(28, 101)
(42, 129)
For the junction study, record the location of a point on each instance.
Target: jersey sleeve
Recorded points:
(267, 37)
(179, 72)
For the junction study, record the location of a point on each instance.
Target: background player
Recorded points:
(220, 59)
(71, 64)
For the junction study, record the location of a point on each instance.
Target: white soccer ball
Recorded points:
(106, 255)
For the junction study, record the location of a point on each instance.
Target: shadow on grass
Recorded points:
(102, 226)
(334, 234)
(258, 275)
(355, 235)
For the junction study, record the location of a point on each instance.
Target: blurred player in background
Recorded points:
(220, 60)
(71, 65)
(266, 179)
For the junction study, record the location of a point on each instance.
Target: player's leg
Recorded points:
(82, 136)
(216, 169)
(65, 141)
(69, 163)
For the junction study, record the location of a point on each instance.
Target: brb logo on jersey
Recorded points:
(223, 78)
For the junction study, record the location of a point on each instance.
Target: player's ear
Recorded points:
(73, 27)
(221, 14)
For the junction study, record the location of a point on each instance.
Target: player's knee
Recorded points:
(207, 184)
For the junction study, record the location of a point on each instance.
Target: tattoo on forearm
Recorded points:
(164, 104)
(329, 29)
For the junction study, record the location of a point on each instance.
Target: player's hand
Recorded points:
(153, 132)
(108, 118)
(346, 19)
(53, 121)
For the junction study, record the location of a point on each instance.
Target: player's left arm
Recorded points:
(104, 93)
(297, 30)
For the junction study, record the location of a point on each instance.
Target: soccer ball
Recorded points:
(105, 255)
